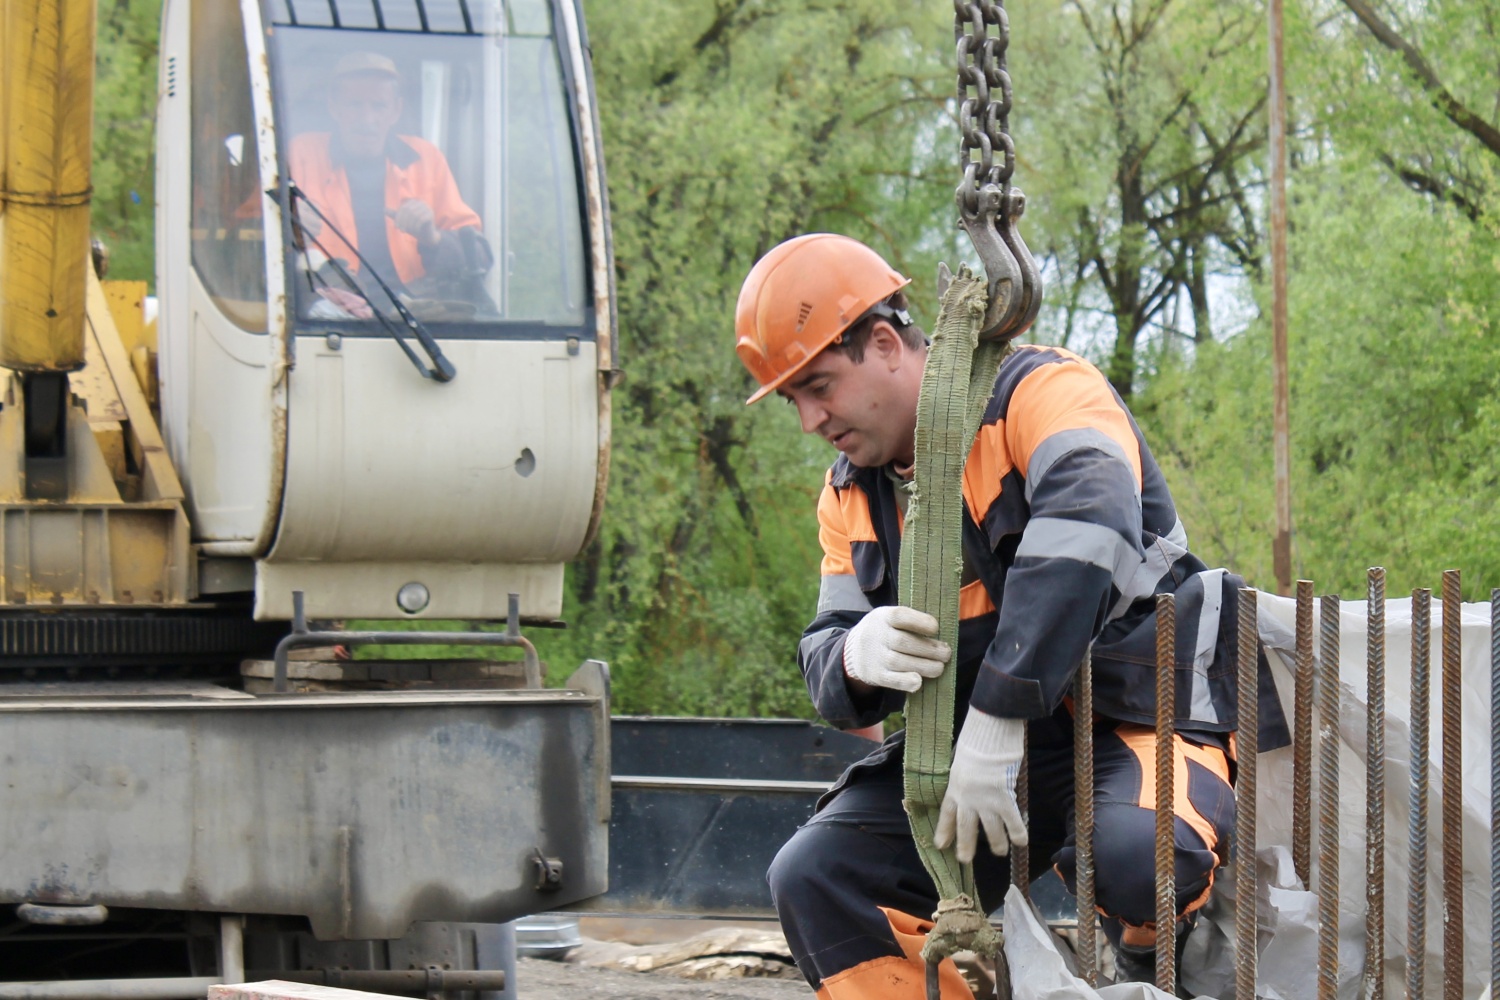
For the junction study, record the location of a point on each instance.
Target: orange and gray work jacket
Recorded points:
(414, 168)
(1069, 532)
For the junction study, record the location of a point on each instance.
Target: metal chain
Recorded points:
(983, 117)
(988, 206)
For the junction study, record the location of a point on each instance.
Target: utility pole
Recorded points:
(1281, 545)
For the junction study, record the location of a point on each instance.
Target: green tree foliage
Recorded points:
(728, 128)
(1394, 342)
(125, 134)
(1140, 134)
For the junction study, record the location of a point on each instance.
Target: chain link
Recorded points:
(988, 206)
(984, 96)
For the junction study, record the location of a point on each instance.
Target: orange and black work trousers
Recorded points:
(854, 899)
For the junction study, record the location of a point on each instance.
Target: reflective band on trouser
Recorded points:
(895, 978)
(1125, 798)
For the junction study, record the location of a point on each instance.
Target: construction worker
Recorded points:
(392, 197)
(1069, 532)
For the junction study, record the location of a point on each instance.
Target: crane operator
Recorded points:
(391, 196)
(1069, 533)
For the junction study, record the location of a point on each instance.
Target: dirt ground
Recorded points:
(541, 979)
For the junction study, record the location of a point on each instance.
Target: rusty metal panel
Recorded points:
(362, 812)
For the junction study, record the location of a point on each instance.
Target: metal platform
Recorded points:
(363, 812)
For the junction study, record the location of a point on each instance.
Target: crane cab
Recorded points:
(386, 311)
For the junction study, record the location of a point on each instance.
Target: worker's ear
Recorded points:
(886, 345)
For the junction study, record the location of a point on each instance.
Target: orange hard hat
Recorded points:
(800, 297)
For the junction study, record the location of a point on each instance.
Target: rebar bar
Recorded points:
(1421, 714)
(1328, 802)
(1302, 740)
(1495, 793)
(1375, 785)
(1166, 817)
(1020, 854)
(1246, 747)
(1453, 767)
(1083, 817)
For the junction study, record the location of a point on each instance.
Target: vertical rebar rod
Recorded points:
(1328, 802)
(1020, 854)
(1166, 817)
(1421, 714)
(1495, 792)
(1083, 817)
(1246, 747)
(1302, 741)
(1375, 785)
(1453, 768)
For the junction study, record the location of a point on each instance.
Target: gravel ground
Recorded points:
(540, 979)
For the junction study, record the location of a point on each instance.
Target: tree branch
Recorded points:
(1442, 99)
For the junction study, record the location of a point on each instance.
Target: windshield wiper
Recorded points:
(441, 369)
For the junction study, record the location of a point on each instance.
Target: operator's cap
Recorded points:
(365, 62)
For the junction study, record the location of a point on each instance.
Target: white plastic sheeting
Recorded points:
(1288, 925)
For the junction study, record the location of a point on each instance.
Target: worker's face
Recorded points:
(365, 107)
(865, 409)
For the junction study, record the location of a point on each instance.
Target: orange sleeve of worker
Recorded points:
(1073, 395)
(437, 186)
(988, 464)
(838, 558)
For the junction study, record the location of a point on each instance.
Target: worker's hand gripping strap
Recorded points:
(956, 386)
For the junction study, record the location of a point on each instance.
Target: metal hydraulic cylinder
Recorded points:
(46, 126)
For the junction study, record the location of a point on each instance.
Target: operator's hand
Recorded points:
(414, 217)
(894, 647)
(982, 787)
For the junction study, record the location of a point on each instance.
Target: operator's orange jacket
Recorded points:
(414, 168)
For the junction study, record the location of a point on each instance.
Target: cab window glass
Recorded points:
(432, 152)
(228, 236)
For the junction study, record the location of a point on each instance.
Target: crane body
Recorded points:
(341, 423)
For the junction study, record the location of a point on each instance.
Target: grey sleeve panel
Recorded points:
(1046, 454)
(1082, 541)
(820, 655)
(841, 592)
(1081, 547)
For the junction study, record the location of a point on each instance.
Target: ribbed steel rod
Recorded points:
(1302, 740)
(1453, 769)
(1020, 854)
(1375, 785)
(1421, 714)
(1246, 747)
(1166, 816)
(1328, 802)
(1495, 793)
(1083, 818)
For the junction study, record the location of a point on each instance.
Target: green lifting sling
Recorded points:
(956, 387)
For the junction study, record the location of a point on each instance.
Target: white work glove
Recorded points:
(982, 787)
(894, 647)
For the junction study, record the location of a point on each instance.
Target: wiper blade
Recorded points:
(440, 369)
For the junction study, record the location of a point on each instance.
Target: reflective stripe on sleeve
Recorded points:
(814, 641)
(1065, 442)
(1095, 544)
(841, 592)
(1159, 559)
(1202, 706)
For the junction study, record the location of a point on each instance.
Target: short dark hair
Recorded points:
(893, 310)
